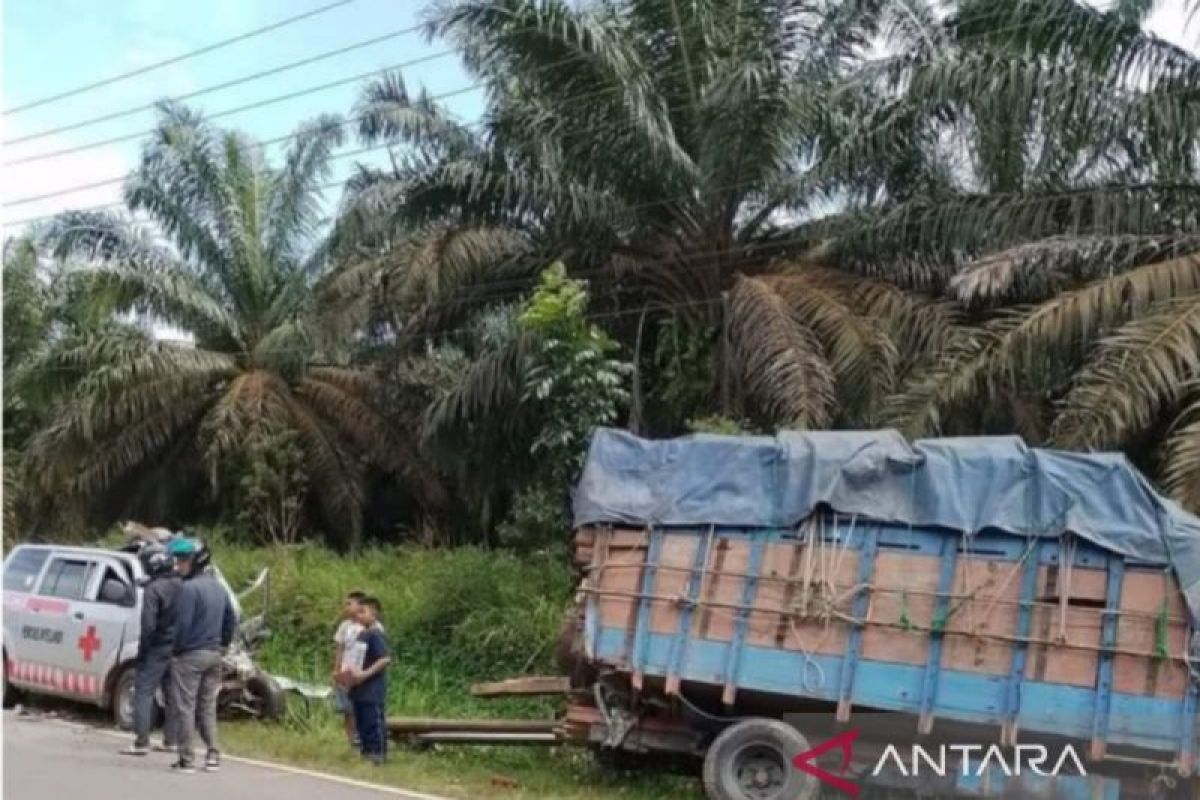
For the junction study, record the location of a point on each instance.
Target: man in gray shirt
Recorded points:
(205, 622)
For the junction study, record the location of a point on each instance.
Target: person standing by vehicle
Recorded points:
(347, 633)
(154, 648)
(205, 622)
(365, 676)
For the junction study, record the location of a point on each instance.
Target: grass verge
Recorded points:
(516, 772)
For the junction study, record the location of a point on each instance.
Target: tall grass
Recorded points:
(452, 617)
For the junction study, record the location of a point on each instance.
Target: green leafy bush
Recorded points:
(573, 377)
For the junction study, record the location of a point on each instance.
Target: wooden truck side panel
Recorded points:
(1048, 636)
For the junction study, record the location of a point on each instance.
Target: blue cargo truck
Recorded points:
(832, 613)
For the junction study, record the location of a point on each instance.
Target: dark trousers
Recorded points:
(372, 729)
(153, 672)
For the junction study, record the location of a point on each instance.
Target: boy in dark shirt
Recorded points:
(364, 674)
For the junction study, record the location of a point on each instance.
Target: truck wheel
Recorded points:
(752, 760)
(122, 699)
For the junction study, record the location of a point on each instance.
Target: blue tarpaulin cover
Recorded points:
(966, 484)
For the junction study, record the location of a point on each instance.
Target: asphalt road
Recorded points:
(46, 758)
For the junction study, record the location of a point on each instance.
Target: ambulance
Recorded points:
(72, 616)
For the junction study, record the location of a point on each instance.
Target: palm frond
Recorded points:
(585, 63)
(295, 191)
(921, 242)
(163, 292)
(921, 326)
(98, 437)
(356, 419)
(115, 361)
(441, 260)
(1034, 271)
(1111, 44)
(336, 474)
(252, 401)
(858, 350)
(151, 433)
(1042, 344)
(1181, 456)
(488, 394)
(188, 157)
(1141, 369)
(387, 111)
(782, 360)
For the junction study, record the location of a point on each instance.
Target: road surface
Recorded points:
(45, 757)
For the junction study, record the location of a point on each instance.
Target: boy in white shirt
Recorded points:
(347, 634)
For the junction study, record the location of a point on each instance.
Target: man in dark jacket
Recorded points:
(154, 647)
(205, 622)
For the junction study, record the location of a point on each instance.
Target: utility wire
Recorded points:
(176, 59)
(218, 86)
(119, 179)
(249, 107)
(127, 137)
(462, 90)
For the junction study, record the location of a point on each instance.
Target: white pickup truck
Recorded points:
(71, 624)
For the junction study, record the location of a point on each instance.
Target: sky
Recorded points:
(51, 46)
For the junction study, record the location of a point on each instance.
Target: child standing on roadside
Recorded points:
(365, 676)
(347, 633)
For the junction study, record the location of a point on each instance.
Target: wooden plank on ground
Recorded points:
(532, 685)
(411, 725)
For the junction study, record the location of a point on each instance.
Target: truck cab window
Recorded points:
(22, 571)
(67, 578)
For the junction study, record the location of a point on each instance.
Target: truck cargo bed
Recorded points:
(1032, 636)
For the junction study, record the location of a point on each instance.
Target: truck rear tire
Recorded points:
(752, 760)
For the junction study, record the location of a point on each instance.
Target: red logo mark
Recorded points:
(40, 604)
(90, 643)
(844, 742)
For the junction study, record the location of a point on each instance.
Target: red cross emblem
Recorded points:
(89, 643)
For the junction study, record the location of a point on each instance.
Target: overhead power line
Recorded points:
(374, 40)
(274, 26)
(237, 109)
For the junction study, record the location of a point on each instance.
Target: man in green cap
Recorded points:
(205, 622)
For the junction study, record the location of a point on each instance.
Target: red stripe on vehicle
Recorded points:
(47, 605)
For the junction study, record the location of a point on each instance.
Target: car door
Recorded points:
(22, 571)
(52, 632)
(107, 633)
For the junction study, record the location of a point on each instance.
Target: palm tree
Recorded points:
(657, 148)
(226, 249)
(1069, 232)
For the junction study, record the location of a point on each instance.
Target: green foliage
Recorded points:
(229, 258)
(538, 519)
(684, 376)
(452, 616)
(27, 311)
(719, 424)
(572, 377)
(272, 484)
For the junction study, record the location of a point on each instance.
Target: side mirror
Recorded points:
(118, 593)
